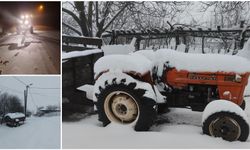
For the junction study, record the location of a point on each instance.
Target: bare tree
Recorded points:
(93, 18)
(228, 13)
(10, 104)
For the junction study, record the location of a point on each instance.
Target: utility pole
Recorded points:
(26, 98)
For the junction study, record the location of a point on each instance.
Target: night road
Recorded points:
(37, 53)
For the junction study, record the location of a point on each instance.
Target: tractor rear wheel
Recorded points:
(124, 104)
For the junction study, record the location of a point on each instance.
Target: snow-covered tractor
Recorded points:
(25, 24)
(132, 89)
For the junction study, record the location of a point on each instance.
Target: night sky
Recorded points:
(49, 16)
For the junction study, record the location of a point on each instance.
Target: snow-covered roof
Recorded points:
(80, 53)
(15, 115)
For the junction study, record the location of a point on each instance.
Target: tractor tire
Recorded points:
(243, 105)
(118, 102)
(228, 125)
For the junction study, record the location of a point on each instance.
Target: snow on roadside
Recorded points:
(36, 132)
(183, 131)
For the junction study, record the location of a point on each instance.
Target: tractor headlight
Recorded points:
(233, 78)
(238, 78)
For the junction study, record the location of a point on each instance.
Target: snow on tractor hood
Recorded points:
(123, 63)
(196, 62)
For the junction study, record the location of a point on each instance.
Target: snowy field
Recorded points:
(181, 128)
(36, 133)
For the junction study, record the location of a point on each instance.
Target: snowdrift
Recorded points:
(245, 52)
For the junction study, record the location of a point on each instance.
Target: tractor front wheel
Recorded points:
(228, 123)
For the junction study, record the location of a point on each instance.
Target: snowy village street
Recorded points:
(181, 128)
(37, 53)
(35, 133)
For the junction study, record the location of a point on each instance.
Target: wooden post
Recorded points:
(242, 40)
(137, 43)
(202, 43)
(177, 41)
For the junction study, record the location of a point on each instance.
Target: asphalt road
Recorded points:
(37, 53)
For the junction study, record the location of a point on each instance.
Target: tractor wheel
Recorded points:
(229, 126)
(118, 102)
(222, 118)
(243, 105)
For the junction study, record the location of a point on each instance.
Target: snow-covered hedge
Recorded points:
(245, 52)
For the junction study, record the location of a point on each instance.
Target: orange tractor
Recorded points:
(132, 89)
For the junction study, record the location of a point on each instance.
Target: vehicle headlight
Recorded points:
(26, 22)
(26, 16)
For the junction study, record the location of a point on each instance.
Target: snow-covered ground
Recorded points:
(181, 128)
(36, 132)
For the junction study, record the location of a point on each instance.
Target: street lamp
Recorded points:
(40, 7)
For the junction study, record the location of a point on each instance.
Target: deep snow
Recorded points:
(36, 132)
(181, 128)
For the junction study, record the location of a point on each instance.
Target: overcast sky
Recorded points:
(41, 97)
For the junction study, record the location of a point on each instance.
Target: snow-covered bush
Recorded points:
(245, 52)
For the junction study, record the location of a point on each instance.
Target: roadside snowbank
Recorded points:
(35, 133)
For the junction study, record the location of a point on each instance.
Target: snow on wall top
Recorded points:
(123, 63)
(80, 53)
(197, 62)
(15, 115)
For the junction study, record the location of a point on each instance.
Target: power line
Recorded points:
(10, 89)
(45, 88)
(44, 95)
(20, 81)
